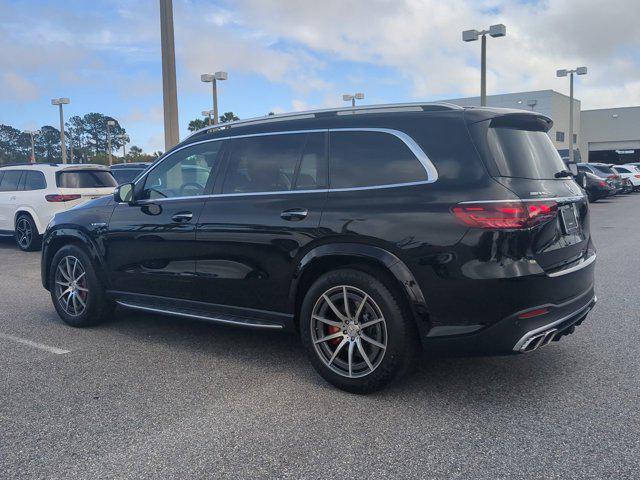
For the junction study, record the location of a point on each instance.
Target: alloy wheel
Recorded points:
(24, 232)
(348, 331)
(71, 286)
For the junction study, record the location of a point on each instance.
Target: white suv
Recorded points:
(31, 194)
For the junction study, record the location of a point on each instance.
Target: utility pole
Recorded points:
(33, 133)
(63, 146)
(169, 90)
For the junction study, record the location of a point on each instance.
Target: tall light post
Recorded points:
(33, 133)
(110, 123)
(208, 114)
(353, 98)
(213, 78)
(532, 103)
(169, 91)
(63, 147)
(125, 138)
(471, 36)
(563, 73)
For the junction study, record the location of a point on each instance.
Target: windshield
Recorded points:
(85, 179)
(524, 153)
(126, 175)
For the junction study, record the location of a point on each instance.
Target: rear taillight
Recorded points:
(61, 198)
(506, 215)
(603, 183)
(637, 175)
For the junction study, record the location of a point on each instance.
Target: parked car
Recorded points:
(630, 173)
(597, 187)
(127, 172)
(369, 231)
(30, 194)
(603, 171)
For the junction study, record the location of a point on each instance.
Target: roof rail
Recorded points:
(27, 164)
(381, 108)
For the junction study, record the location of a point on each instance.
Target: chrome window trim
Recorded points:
(421, 156)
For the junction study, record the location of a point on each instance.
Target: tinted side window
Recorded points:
(184, 173)
(85, 179)
(10, 180)
(264, 163)
(364, 159)
(35, 181)
(622, 170)
(312, 173)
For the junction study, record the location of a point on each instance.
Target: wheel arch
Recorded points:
(61, 237)
(372, 259)
(31, 212)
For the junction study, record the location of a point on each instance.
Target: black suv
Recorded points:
(373, 232)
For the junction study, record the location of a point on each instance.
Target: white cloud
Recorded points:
(14, 86)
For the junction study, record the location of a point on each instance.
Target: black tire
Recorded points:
(26, 233)
(97, 307)
(400, 332)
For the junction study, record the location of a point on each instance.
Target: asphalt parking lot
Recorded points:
(157, 397)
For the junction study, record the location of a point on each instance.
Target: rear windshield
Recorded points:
(603, 169)
(126, 175)
(85, 179)
(524, 153)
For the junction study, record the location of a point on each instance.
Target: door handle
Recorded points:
(182, 217)
(294, 214)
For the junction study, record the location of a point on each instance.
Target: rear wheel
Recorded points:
(76, 292)
(26, 233)
(355, 332)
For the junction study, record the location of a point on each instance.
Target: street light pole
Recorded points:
(207, 113)
(213, 78)
(125, 139)
(63, 146)
(563, 73)
(110, 123)
(169, 90)
(33, 133)
(472, 35)
(353, 98)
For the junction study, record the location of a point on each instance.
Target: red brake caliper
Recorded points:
(330, 330)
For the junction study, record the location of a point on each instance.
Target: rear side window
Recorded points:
(622, 170)
(85, 179)
(264, 163)
(603, 169)
(366, 159)
(524, 153)
(35, 181)
(10, 180)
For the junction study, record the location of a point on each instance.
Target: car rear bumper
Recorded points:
(518, 335)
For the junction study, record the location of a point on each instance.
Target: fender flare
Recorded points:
(383, 257)
(67, 235)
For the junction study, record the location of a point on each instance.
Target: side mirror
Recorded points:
(573, 168)
(581, 179)
(123, 193)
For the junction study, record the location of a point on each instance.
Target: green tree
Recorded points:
(197, 124)
(228, 117)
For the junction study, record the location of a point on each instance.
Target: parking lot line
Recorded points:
(41, 346)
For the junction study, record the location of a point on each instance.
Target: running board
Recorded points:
(224, 319)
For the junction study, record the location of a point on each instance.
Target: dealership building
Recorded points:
(608, 135)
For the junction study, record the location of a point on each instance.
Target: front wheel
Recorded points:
(76, 292)
(356, 333)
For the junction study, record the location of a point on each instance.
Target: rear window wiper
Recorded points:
(563, 173)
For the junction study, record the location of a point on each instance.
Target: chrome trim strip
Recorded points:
(430, 169)
(579, 266)
(525, 340)
(545, 199)
(199, 317)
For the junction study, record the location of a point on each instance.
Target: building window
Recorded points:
(575, 138)
(559, 136)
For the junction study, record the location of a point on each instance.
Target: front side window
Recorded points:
(10, 180)
(264, 163)
(35, 181)
(365, 159)
(184, 173)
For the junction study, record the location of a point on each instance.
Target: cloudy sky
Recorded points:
(299, 54)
